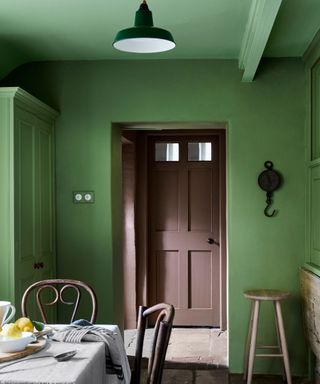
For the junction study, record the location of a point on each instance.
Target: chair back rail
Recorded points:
(162, 331)
(58, 287)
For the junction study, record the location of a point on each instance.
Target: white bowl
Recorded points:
(8, 344)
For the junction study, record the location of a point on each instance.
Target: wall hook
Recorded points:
(269, 180)
(269, 203)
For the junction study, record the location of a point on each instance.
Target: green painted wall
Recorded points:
(266, 121)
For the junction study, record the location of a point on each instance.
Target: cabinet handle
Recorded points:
(38, 265)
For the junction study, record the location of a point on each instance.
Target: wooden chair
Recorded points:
(58, 288)
(162, 331)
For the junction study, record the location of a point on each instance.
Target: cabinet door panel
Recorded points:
(315, 215)
(25, 202)
(25, 191)
(45, 208)
(34, 211)
(27, 243)
(315, 111)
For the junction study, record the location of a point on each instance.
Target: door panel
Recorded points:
(184, 212)
(200, 279)
(167, 185)
(167, 275)
(200, 199)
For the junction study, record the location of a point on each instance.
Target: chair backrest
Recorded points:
(162, 331)
(58, 288)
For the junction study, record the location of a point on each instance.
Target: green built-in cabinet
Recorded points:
(313, 156)
(27, 241)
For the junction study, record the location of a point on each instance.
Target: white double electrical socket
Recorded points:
(83, 196)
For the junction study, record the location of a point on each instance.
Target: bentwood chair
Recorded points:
(56, 290)
(162, 331)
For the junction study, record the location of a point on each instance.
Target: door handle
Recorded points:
(212, 241)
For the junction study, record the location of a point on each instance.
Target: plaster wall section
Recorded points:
(266, 121)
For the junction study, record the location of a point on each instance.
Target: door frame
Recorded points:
(143, 131)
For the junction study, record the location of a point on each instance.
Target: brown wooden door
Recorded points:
(185, 262)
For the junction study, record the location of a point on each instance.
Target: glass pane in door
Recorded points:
(199, 152)
(167, 152)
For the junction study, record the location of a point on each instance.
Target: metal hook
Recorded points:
(269, 214)
(269, 203)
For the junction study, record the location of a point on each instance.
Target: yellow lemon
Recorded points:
(11, 330)
(24, 324)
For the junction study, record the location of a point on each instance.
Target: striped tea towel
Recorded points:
(114, 360)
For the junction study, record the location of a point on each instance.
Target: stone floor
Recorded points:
(219, 376)
(195, 376)
(197, 346)
(198, 356)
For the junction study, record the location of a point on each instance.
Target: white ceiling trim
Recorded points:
(259, 25)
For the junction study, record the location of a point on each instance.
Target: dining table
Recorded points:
(86, 367)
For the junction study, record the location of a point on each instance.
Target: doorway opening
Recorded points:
(174, 249)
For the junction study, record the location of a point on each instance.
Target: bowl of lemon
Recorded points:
(15, 337)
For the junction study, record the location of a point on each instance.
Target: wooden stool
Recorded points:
(257, 296)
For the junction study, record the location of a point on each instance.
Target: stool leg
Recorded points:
(246, 356)
(253, 340)
(283, 342)
(278, 338)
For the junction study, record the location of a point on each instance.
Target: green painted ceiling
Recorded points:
(34, 30)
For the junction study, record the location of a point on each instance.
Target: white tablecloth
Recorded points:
(86, 367)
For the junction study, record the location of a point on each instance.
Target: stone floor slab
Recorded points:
(190, 345)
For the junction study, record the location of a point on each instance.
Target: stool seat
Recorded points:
(266, 294)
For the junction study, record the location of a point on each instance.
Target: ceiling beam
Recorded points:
(260, 22)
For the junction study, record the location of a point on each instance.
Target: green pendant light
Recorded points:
(144, 37)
